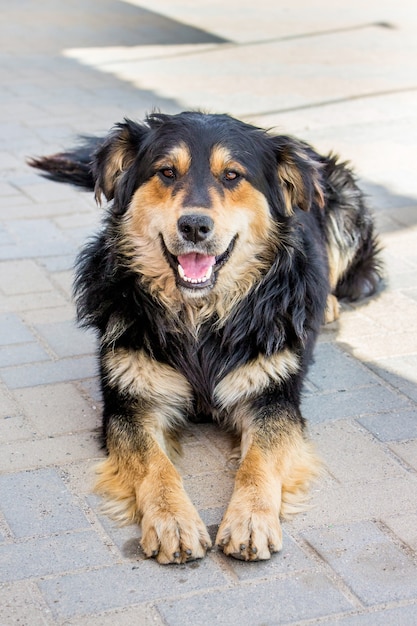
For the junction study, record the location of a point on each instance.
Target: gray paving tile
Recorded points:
(21, 354)
(351, 403)
(290, 560)
(123, 585)
(35, 453)
(280, 601)
(126, 538)
(403, 615)
(23, 277)
(35, 238)
(134, 616)
(52, 555)
(57, 409)
(21, 603)
(352, 455)
(407, 451)
(393, 426)
(335, 370)
(405, 527)
(368, 561)
(51, 372)
(38, 503)
(14, 427)
(66, 339)
(13, 331)
(400, 372)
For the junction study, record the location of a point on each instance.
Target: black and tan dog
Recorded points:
(222, 251)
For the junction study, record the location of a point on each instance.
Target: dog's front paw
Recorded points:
(174, 536)
(249, 534)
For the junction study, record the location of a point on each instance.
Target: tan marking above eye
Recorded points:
(178, 160)
(222, 164)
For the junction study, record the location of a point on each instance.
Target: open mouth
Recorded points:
(196, 270)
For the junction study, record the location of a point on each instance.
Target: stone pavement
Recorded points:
(341, 77)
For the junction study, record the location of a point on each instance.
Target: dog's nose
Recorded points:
(194, 227)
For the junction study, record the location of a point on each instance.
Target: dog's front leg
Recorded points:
(144, 402)
(276, 468)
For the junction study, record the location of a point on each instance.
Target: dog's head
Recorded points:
(200, 198)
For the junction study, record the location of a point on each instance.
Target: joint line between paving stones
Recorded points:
(368, 612)
(248, 44)
(336, 578)
(401, 545)
(331, 102)
(384, 445)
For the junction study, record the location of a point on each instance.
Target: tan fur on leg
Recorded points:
(270, 482)
(332, 310)
(149, 490)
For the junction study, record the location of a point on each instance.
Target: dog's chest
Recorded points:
(204, 362)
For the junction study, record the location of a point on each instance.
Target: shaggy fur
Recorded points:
(223, 249)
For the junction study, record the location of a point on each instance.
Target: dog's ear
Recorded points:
(299, 174)
(115, 155)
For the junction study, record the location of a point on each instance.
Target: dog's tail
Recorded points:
(74, 166)
(354, 250)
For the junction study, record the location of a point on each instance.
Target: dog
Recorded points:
(223, 249)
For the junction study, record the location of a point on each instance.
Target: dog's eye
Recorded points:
(167, 172)
(231, 175)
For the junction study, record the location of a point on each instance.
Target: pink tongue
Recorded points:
(196, 265)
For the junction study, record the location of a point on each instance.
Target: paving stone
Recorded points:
(210, 490)
(400, 372)
(393, 426)
(198, 459)
(351, 454)
(21, 354)
(405, 527)
(66, 339)
(123, 585)
(21, 603)
(57, 409)
(28, 302)
(60, 263)
(355, 501)
(126, 538)
(334, 370)
(138, 615)
(351, 403)
(49, 315)
(35, 238)
(280, 601)
(40, 191)
(13, 331)
(33, 453)
(404, 615)
(38, 503)
(212, 518)
(7, 405)
(373, 567)
(65, 281)
(15, 427)
(290, 560)
(406, 450)
(394, 314)
(51, 372)
(23, 276)
(70, 552)
(385, 345)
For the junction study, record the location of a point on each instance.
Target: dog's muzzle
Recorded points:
(196, 269)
